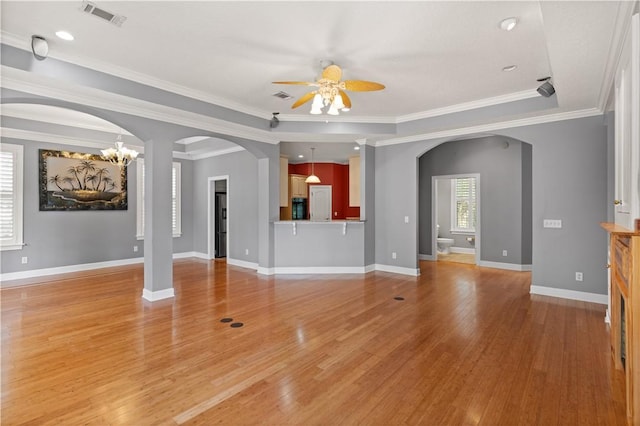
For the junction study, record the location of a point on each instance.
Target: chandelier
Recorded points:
(119, 155)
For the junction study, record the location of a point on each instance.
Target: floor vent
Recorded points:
(92, 9)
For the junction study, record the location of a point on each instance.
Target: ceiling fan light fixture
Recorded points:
(337, 102)
(333, 110)
(345, 109)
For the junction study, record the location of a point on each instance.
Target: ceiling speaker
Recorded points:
(546, 89)
(274, 120)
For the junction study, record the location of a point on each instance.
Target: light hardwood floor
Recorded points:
(467, 345)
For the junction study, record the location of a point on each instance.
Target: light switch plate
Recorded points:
(552, 223)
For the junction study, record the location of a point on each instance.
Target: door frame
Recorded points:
(211, 214)
(434, 212)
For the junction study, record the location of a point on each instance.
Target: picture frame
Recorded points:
(80, 181)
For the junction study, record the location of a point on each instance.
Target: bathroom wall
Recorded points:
(444, 215)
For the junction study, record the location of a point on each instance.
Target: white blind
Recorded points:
(11, 196)
(7, 195)
(175, 199)
(465, 203)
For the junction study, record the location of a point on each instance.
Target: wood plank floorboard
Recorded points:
(466, 346)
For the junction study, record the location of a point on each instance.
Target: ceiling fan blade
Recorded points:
(304, 83)
(345, 99)
(362, 86)
(303, 99)
(332, 72)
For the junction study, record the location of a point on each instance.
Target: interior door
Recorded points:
(320, 200)
(627, 120)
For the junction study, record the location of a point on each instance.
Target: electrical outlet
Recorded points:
(504, 252)
(406, 219)
(578, 276)
(25, 259)
(135, 249)
(246, 251)
(393, 255)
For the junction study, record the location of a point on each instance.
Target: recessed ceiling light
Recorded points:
(356, 148)
(509, 68)
(300, 156)
(64, 35)
(508, 24)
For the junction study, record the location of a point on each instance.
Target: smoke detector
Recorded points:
(92, 9)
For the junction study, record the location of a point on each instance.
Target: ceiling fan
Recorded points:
(331, 91)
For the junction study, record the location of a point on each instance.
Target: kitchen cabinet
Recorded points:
(298, 186)
(354, 181)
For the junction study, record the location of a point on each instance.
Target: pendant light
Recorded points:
(312, 177)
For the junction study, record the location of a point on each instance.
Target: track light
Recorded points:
(546, 89)
(274, 120)
(39, 47)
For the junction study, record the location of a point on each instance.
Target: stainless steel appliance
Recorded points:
(298, 208)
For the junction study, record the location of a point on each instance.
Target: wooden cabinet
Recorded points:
(284, 182)
(354, 181)
(298, 186)
(625, 312)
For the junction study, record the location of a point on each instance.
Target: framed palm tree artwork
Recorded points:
(78, 181)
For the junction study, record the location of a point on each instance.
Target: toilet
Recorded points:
(444, 244)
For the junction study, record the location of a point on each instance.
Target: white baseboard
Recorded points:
(569, 294)
(320, 270)
(507, 266)
(188, 254)
(153, 296)
(426, 257)
(414, 272)
(10, 276)
(242, 263)
(34, 273)
(464, 250)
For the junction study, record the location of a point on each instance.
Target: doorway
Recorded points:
(218, 217)
(456, 217)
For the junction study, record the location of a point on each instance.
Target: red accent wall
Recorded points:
(336, 175)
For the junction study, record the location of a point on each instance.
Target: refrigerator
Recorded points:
(221, 225)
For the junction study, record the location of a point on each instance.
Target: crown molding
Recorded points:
(217, 153)
(337, 119)
(623, 21)
(39, 85)
(46, 115)
(491, 127)
(108, 68)
(58, 139)
(466, 106)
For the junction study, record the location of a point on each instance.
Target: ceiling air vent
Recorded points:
(282, 95)
(94, 10)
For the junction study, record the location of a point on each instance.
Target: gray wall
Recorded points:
(65, 238)
(242, 203)
(499, 161)
(569, 170)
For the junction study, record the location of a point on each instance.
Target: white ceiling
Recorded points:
(429, 55)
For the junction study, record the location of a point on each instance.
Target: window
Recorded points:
(11, 160)
(175, 200)
(463, 206)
